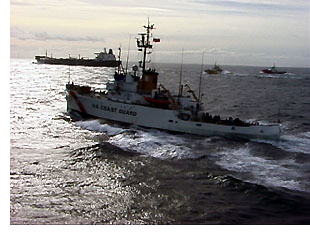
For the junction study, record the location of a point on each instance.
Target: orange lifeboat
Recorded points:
(157, 101)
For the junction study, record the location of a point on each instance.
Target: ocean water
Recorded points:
(64, 171)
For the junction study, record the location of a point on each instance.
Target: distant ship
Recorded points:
(103, 59)
(272, 70)
(135, 98)
(215, 70)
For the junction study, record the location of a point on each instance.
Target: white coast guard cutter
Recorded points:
(136, 98)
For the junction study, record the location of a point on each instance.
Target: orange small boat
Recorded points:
(157, 101)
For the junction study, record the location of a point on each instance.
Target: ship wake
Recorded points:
(244, 160)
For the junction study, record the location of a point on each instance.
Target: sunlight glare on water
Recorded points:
(96, 172)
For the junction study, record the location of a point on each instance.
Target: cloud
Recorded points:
(157, 9)
(44, 36)
(144, 6)
(259, 7)
(210, 51)
(20, 3)
(35, 3)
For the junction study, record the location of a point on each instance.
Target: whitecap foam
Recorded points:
(226, 72)
(95, 125)
(153, 143)
(285, 75)
(295, 143)
(274, 173)
(241, 75)
(299, 143)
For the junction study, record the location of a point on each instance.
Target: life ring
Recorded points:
(185, 116)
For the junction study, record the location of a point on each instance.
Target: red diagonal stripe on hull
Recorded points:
(78, 102)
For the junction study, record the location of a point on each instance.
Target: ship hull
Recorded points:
(79, 62)
(100, 106)
(212, 72)
(267, 71)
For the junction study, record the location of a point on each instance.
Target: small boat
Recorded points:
(103, 59)
(272, 70)
(215, 70)
(157, 101)
(136, 98)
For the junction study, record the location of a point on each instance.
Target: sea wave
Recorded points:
(269, 172)
(286, 76)
(298, 143)
(153, 143)
(95, 125)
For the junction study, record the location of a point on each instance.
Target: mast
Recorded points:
(201, 70)
(144, 43)
(180, 81)
(119, 59)
(127, 60)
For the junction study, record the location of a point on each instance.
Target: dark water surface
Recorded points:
(92, 172)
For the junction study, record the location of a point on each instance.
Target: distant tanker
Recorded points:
(103, 59)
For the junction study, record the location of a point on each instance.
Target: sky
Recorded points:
(229, 32)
